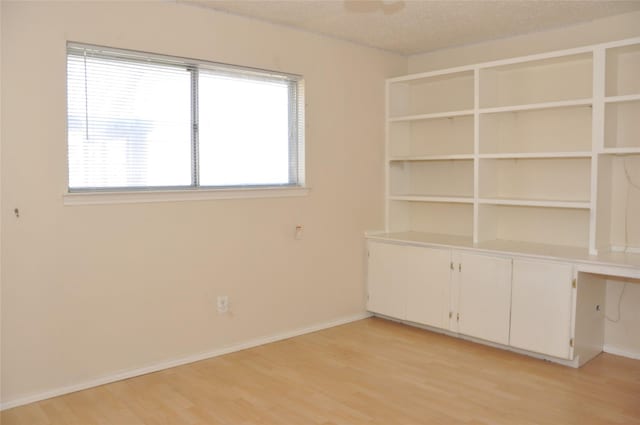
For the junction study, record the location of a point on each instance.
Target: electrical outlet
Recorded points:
(223, 304)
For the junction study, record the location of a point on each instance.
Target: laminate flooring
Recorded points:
(368, 372)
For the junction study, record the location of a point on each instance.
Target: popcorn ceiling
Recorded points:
(410, 27)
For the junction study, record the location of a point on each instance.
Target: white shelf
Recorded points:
(518, 152)
(426, 137)
(432, 157)
(508, 247)
(620, 151)
(537, 106)
(564, 129)
(625, 98)
(535, 155)
(550, 81)
(622, 123)
(497, 246)
(419, 117)
(441, 199)
(536, 203)
(622, 70)
(436, 96)
(424, 238)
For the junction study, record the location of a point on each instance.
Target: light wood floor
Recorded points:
(368, 372)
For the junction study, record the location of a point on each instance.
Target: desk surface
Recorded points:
(607, 263)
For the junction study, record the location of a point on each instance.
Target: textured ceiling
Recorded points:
(417, 26)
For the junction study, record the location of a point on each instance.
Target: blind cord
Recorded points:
(86, 98)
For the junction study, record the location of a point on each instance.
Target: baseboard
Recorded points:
(619, 352)
(626, 249)
(570, 363)
(155, 367)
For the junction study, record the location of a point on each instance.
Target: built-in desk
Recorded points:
(542, 300)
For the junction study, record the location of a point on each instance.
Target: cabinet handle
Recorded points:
(458, 317)
(451, 265)
(459, 267)
(450, 314)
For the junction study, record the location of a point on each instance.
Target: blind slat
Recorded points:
(149, 121)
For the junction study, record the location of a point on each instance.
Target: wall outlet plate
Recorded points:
(223, 304)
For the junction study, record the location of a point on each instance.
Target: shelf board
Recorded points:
(535, 203)
(624, 98)
(418, 117)
(431, 157)
(535, 155)
(537, 106)
(620, 151)
(444, 199)
(437, 239)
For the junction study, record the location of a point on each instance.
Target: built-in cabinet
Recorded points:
(534, 150)
(429, 286)
(536, 306)
(542, 303)
(512, 187)
(463, 292)
(483, 296)
(388, 275)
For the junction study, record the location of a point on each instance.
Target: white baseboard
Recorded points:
(619, 352)
(570, 363)
(626, 249)
(177, 362)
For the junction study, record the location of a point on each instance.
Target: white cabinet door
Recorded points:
(484, 297)
(542, 301)
(428, 286)
(387, 279)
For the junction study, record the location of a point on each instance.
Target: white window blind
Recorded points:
(142, 121)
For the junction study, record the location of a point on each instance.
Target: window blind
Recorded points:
(143, 121)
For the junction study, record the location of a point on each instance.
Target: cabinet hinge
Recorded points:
(571, 342)
(574, 284)
(451, 265)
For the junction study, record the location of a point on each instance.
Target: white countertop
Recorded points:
(608, 263)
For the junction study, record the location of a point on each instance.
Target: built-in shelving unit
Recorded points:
(618, 184)
(543, 149)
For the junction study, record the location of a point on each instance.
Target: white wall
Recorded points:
(622, 326)
(1, 205)
(623, 336)
(88, 291)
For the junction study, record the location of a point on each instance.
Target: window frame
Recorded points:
(296, 186)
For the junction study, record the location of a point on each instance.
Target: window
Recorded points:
(138, 121)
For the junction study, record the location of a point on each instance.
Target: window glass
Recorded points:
(143, 121)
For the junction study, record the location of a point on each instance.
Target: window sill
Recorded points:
(134, 197)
